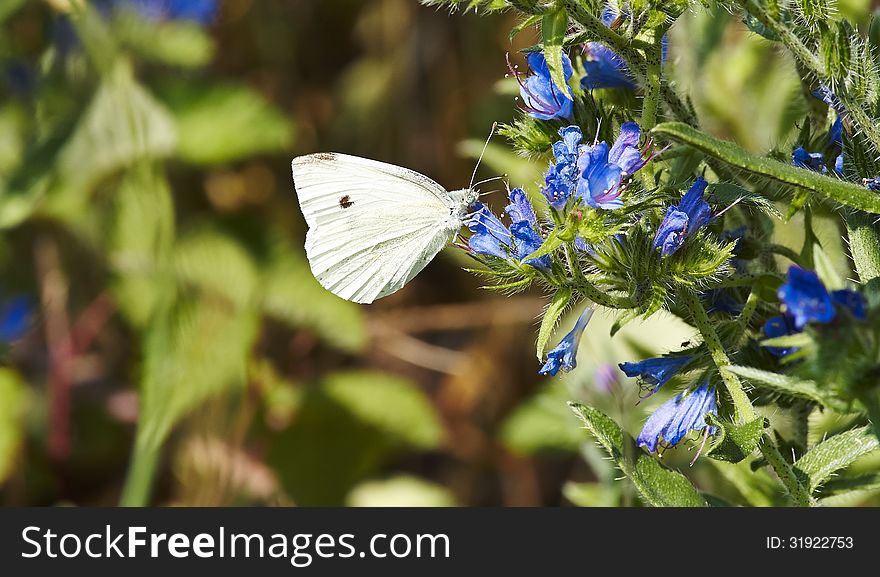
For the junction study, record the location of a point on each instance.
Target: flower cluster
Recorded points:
(806, 300)
(682, 221)
(595, 174)
(491, 238)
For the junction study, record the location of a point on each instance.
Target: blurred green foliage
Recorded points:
(180, 350)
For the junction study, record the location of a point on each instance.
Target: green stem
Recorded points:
(743, 407)
(749, 309)
(800, 423)
(747, 279)
(141, 473)
(590, 291)
(783, 470)
(783, 251)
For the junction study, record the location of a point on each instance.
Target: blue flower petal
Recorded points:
(656, 372)
(676, 417)
(564, 355)
(852, 301)
(805, 297)
(780, 326)
(15, 318)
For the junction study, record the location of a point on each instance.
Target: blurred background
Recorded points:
(162, 340)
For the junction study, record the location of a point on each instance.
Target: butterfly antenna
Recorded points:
(482, 152)
(502, 177)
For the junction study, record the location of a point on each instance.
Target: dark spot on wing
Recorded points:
(327, 156)
(345, 201)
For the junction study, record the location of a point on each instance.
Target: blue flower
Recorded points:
(872, 183)
(542, 99)
(814, 161)
(676, 417)
(603, 170)
(805, 297)
(15, 318)
(605, 68)
(202, 12)
(680, 222)
(780, 326)
(722, 301)
(851, 301)
(21, 78)
(490, 236)
(655, 372)
(564, 355)
(561, 178)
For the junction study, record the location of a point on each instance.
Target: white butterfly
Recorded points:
(372, 226)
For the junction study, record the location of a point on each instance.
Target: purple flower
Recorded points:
(805, 297)
(605, 379)
(655, 372)
(814, 161)
(682, 221)
(490, 237)
(676, 417)
(542, 99)
(564, 355)
(561, 178)
(603, 170)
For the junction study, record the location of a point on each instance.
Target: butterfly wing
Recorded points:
(372, 226)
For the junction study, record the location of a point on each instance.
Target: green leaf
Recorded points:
(400, 491)
(554, 240)
(140, 240)
(10, 7)
(123, 124)
(217, 265)
(842, 485)
(756, 487)
(726, 194)
(12, 401)
(178, 43)
(346, 429)
(658, 485)
(735, 443)
(542, 423)
(551, 317)
(787, 385)
(797, 340)
(291, 294)
(553, 28)
(193, 351)
(834, 189)
(825, 269)
(528, 22)
(217, 124)
(835, 453)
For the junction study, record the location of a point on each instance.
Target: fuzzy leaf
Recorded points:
(735, 442)
(224, 123)
(658, 485)
(835, 453)
(553, 28)
(834, 189)
(802, 389)
(551, 317)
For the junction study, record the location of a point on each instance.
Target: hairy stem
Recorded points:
(783, 470)
(743, 407)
